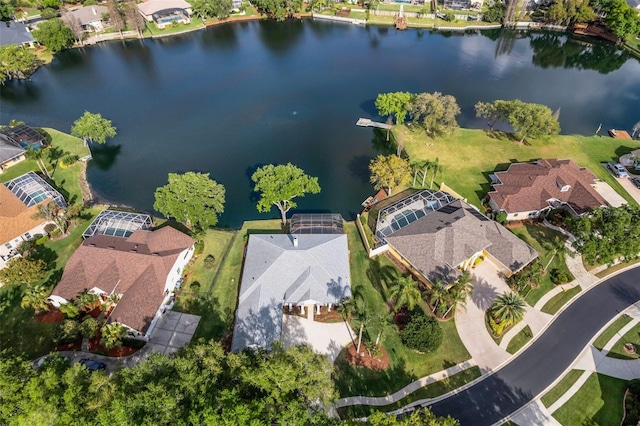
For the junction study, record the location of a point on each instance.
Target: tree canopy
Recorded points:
(16, 62)
(278, 9)
(620, 19)
(220, 9)
(395, 104)
(54, 34)
(435, 112)
(278, 185)
(22, 270)
(389, 171)
(526, 119)
(192, 198)
(570, 11)
(93, 127)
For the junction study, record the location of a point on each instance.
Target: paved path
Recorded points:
(527, 375)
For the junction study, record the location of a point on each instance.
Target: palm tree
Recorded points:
(459, 291)
(36, 297)
(421, 168)
(112, 335)
(51, 212)
(111, 301)
(36, 154)
(86, 301)
(508, 307)
(347, 307)
(438, 294)
(405, 292)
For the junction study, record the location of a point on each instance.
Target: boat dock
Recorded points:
(365, 122)
(619, 134)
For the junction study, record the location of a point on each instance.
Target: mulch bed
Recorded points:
(330, 317)
(75, 346)
(365, 360)
(53, 316)
(96, 347)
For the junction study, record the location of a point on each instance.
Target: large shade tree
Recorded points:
(54, 34)
(191, 198)
(16, 62)
(435, 112)
(279, 185)
(22, 270)
(394, 104)
(93, 128)
(389, 171)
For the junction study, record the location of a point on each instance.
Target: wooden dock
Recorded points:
(619, 134)
(365, 122)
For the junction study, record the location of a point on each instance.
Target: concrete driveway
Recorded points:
(326, 338)
(610, 195)
(630, 188)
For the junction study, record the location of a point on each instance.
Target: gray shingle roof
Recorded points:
(88, 14)
(276, 272)
(14, 33)
(437, 243)
(8, 149)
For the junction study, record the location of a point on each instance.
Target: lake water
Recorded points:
(231, 98)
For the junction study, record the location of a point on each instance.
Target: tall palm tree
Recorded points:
(508, 307)
(459, 291)
(36, 154)
(347, 307)
(438, 294)
(405, 292)
(36, 297)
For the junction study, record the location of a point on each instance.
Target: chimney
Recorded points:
(295, 241)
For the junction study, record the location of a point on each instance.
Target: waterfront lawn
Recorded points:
(561, 388)
(519, 340)
(611, 331)
(598, 402)
(21, 333)
(432, 390)
(539, 238)
(217, 307)
(468, 156)
(559, 300)
(631, 336)
(370, 280)
(153, 31)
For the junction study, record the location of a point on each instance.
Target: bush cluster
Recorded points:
(497, 327)
(422, 333)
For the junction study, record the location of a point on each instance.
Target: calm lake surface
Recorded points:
(231, 98)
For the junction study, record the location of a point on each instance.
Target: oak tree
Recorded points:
(388, 171)
(394, 104)
(54, 34)
(93, 127)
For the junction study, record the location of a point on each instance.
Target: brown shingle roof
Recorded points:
(438, 242)
(15, 217)
(136, 267)
(528, 186)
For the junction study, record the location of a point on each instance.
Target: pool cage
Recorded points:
(316, 223)
(31, 189)
(408, 210)
(24, 135)
(117, 224)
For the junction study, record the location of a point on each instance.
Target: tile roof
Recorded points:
(136, 267)
(527, 187)
(15, 217)
(438, 243)
(276, 273)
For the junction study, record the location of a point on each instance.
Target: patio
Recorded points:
(173, 331)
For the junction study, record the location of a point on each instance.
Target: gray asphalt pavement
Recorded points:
(522, 379)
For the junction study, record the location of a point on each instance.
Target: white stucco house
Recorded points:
(166, 12)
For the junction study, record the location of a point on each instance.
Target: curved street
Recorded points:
(522, 379)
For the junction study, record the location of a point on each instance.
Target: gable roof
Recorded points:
(528, 186)
(136, 267)
(14, 33)
(276, 273)
(9, 149)
(87, 14)
(154, 6)
(15, 217)
(438, 243)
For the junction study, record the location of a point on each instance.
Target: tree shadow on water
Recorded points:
(104, 156)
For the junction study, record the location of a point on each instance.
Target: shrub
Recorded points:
(49, 13)
(497, 327)
(69, 310)
(559, 277)
(89, 327)
(422, 333)
(55, 232)
(478, 261)
(195, 286)
(66, 332)
(40, 241)
(501, 218)
(449, 16)
(209, 261)
(49, 228)
(199, 247)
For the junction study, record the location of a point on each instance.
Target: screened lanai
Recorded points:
(117, 224)
(408, 210)
(31, 189)
(316, 223)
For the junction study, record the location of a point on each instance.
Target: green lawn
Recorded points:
(519, 340)
(559, 300)
(611, 331)
(470, 155)
(561, 388)
(217, 299)
(370, 280)
(598, 402)
(536, 237)
(616, 268)
(631, 336)
(430, 391)
(154, 31)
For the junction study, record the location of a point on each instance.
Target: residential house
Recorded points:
(90, 17)
(526, 190)
(304, 270)
(19, 201)
(143, 269)
(14, 141)
(236, 5)
(438, 236)
(15, 33)
(10, 153)
(166, 12)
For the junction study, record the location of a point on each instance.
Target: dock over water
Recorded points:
(365, 122)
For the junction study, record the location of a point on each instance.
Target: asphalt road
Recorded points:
(519, 381)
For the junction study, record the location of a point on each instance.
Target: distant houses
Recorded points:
(166, 12)
(123, 258)
(307, 271)
(19, 201)
(90, 17)
(526, 190)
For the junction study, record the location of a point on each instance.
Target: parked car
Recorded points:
(93, 365)
(636, 182)
(618, 170)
